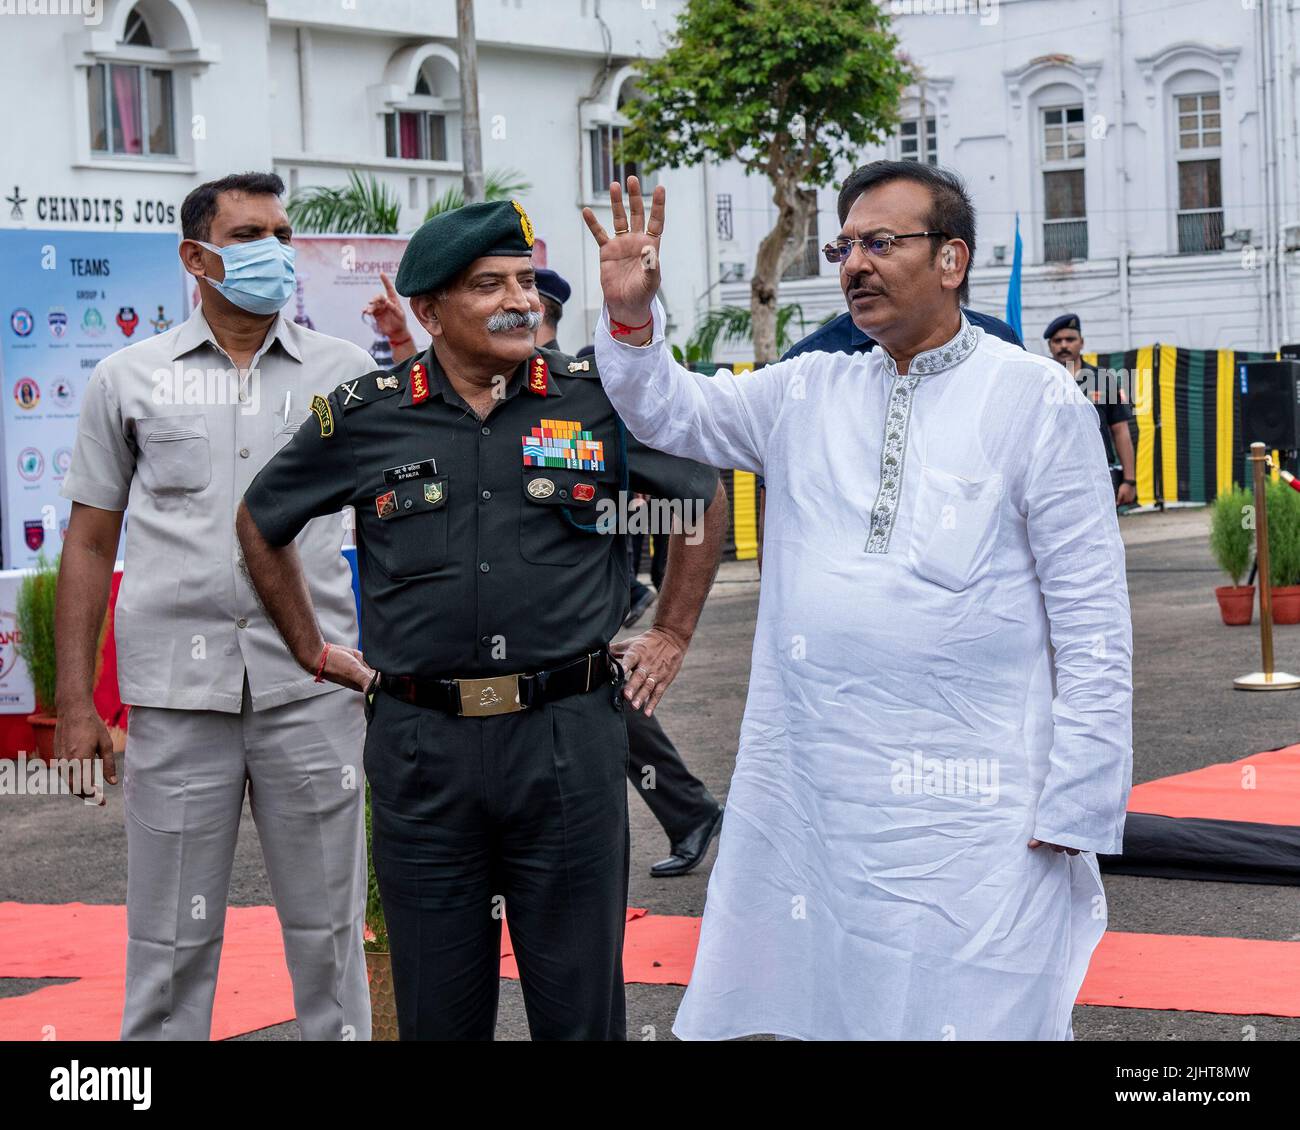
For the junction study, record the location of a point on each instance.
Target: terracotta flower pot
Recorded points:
(1286, 604)
(43, 727)
(1236, 603)
(383, 1002)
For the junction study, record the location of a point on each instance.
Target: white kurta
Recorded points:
(941, 670)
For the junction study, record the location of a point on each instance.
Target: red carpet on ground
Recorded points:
(1235, 976)
(1261, 789)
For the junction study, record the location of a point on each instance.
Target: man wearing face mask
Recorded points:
(485, 474)
(174, 428)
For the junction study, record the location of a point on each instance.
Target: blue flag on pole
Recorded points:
(1013, 286)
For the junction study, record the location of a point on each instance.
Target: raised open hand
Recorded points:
(629, 259)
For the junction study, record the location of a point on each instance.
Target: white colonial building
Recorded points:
(1149, 149)
(115, 109)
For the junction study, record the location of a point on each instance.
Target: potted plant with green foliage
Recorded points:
(1231, 535)
(35, 647)
(1284, 551)
(379, 967)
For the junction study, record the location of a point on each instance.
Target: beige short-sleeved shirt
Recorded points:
(170, 432)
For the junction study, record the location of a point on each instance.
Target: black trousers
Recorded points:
(678, 798)
(523, 814)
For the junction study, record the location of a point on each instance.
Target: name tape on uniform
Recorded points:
(424, 469)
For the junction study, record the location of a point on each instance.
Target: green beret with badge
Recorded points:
(448, 243)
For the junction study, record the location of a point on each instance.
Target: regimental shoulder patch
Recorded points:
(419, 383)
(537, 372)
(349, 390)
(321, 407)
(435, 492)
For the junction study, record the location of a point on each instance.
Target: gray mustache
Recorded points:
(506, 320)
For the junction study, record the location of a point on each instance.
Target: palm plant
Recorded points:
(499, 184)
(735, 323)
(365, 206)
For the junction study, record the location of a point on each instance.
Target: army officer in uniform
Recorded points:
(491, 585)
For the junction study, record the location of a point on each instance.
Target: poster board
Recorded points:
(67, 300)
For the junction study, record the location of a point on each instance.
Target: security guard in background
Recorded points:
(554, 291)
(1064, 338)
(496, 750)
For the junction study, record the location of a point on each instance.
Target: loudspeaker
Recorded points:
(1270, 403)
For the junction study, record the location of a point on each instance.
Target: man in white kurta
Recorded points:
(940, 679)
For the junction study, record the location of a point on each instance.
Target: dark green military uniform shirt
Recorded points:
(472, 561)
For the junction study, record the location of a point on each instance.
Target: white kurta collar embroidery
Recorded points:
(897, 417)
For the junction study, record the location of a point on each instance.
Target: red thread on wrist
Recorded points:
(620, 329)
(320, 667)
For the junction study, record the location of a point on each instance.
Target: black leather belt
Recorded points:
(506, 694)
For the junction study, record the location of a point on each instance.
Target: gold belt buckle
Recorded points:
(481, 698)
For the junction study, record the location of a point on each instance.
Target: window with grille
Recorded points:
(1065, 209)
(605, 140)
(1200, 190)
(131, 107)
(418, 135)
(913, 135)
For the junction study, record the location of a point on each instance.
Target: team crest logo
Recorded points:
(433, 493)
(524, 223)
(34, 534)
(31, 464)
(61, 461)
(92, 322)
(58, 321)
(27, 393)
(21, 322)
(127, 320)
(160, 323)
(63, 392)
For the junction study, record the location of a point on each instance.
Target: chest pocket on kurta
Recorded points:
(556, 505)
(954, 527)
(405, 529)
(173, 454)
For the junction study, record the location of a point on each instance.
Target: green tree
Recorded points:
(791, 89)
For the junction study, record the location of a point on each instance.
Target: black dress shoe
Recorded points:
(687, 852)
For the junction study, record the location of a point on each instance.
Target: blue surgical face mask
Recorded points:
(259, 274)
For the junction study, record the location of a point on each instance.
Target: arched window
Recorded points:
(607, 124)
(417, 127)
(132, 106)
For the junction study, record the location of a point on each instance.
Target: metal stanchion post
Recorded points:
(1267, 679)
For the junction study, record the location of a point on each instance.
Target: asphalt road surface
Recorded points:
(1186, 715)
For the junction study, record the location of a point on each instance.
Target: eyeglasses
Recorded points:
(878, 245)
